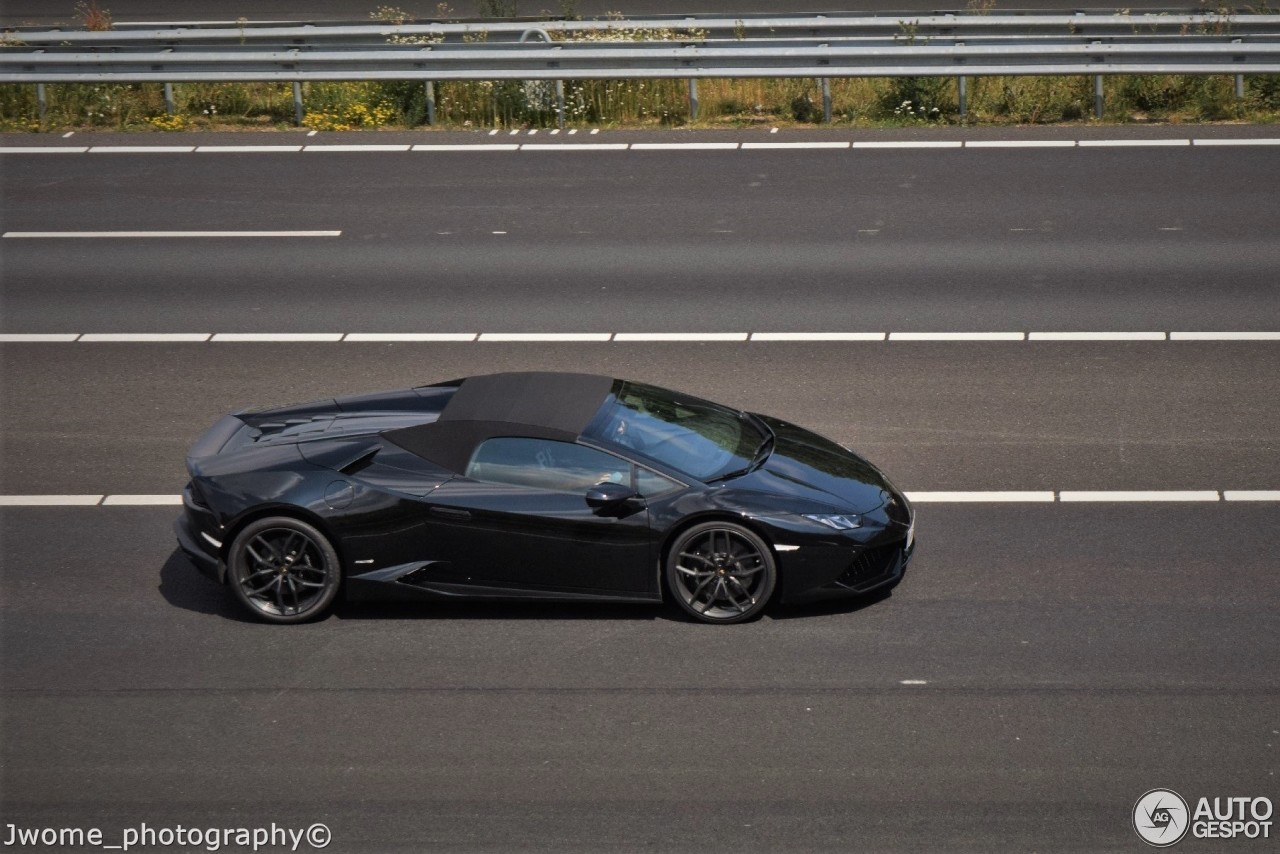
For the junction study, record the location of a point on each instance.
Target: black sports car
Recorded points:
(535, 486)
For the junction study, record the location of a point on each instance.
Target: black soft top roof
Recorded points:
(540, 405)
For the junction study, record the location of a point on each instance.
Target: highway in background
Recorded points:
(1040, 668)
(20, 12)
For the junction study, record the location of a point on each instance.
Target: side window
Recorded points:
(651, 484)
(544, 464)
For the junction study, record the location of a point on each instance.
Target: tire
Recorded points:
(283, 570)
(719, 572)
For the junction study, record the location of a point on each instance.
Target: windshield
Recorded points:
(702, 439)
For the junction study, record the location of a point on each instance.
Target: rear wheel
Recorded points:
(284, 570)
(720, 572)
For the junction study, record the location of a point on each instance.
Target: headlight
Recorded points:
(841, 522)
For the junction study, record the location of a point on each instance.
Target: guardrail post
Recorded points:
(826, 99)
(431, 102)
(42, 102)
(1239, 78)
(962, 95)
(297, 103)
(559, 103)
(168, 99)
(1097, 96)
(693, 98)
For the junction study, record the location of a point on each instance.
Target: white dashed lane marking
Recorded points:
(1096, 336)
(247, 149)
(146, 337)
(411, 336)
(680, 336)
(622, 337)
(254, 337)
(994, 497)
(817, 336)
(544, 336)
(1224, 336)
(1142, 495)
(957, 336)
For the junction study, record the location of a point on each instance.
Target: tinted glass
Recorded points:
(650, 484)
(544, 464)
(703, 439)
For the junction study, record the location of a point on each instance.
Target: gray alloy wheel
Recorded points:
(283, 570)
(720, 572)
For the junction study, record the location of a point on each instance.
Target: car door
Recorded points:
(518, 519)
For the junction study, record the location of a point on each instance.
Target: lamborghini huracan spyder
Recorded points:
(540, 486)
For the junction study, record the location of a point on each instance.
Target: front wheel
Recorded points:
(720, 572)
(284, 570)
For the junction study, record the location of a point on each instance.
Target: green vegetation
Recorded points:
(641, 103)
(858, 102)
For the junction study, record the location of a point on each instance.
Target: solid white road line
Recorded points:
(92, 337)
(246, 149)
(918, 143)
(167, 234)
(40, 149)
(51, 500)
(817, 336)
(1235, 142)
(242, 337)
(410, 336)
(868, 144)
(757, 145)
(37, 337)
(1224, 336)
(142, 149)
(993, 497)
(544, 336)
(1096, 336)
(497, 146)
(140, 500)
(575, 146)
(1121, 143)
(355, 148)
(1142, 495)
(1020, 143)
(683, 146)
(957, 336)
(680, 336)
(1251, 495)
(139, 337)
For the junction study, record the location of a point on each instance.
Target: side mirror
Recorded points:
(610, 497)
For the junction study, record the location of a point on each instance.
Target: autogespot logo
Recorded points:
(1160, 817)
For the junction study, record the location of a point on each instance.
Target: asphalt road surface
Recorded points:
(21, 12)
(1039, 669)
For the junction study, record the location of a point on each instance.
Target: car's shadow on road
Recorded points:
(434, 610)
(827, 608)
(184, 587)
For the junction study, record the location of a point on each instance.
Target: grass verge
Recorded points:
(896, 102)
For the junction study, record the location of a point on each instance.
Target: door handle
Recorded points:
(451, 513)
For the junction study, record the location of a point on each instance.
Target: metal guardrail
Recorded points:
(934, 46)
(709, 27)
(591, 60)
